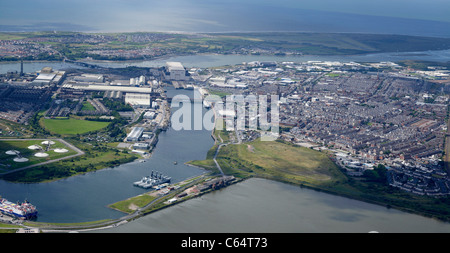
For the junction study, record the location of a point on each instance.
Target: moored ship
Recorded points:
(23, 210)
(153, 180)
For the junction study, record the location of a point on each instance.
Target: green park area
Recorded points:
(132, 204)
(95, 157)
(71, 126)
(275, 160)
(15, 154)
(87, 106)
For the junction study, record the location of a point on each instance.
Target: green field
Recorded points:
(72, 126)
(275, 160)
(278, 160)
(87, 107)
(221, 94)
(7, 162)
(95, 158)
(130, 205)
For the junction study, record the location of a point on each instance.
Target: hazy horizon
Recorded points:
(424, 18)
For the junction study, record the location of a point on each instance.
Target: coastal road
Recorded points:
(117, 222)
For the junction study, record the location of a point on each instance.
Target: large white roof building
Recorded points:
(135, 134)
(138, 99)
(176, 71)
(109, 88)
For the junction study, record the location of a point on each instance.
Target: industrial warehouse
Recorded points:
(133, 98)
(22, 94)
(77, 94)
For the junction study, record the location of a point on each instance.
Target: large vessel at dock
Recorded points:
(23, 210)
(154, 179)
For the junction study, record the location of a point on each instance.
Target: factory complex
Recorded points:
(86, 94)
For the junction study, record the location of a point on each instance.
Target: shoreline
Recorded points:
(373, 199)
(168, 56)
(141, 212)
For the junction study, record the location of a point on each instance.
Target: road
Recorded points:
(117, 222)
(215, 156)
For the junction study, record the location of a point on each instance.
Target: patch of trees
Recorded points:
(378, 174)
(115, 129)
(116, 105)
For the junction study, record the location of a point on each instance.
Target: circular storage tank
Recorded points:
(47, 142)
(21, 160)
(12, 152)
(41, 154)
(61, 150)
(34, 147)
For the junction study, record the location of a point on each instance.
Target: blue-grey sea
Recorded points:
(416, 17)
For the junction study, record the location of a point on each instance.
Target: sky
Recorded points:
(224, 15)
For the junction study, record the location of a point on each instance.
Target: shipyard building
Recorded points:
(138, 100)
(175, 72)
(48, 76)
(135, 134)
(89, 78)
(135, 96)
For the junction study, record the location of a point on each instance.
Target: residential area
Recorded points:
(365, 114)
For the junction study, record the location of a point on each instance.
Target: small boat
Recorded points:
(175, 162)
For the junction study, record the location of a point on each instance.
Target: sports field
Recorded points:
(72, 126)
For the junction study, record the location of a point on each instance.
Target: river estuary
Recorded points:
(255, 205)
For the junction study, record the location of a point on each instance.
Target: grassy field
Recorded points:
(130, 205)
(221, 94)
(277, 160)
(95, 158)
(37, 224)
(72, 126)
(87, 107)
(7, 163)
